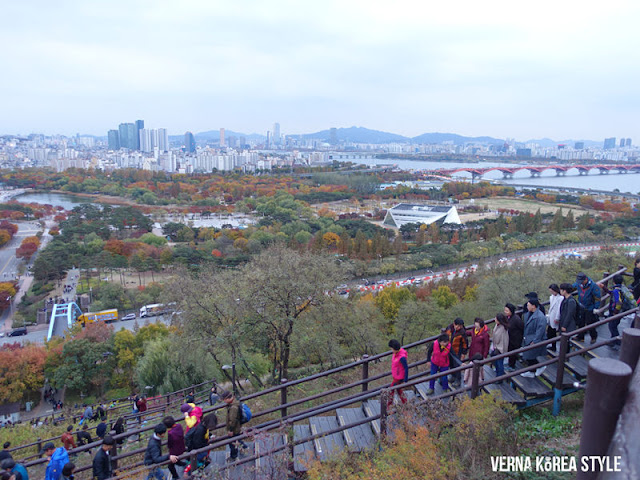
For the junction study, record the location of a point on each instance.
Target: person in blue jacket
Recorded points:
(589, 298)
(17, 469)
(58, 458)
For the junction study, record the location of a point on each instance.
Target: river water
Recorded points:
(626, 182)
(64, 200)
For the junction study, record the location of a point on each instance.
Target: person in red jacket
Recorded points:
(479, 339)
(440, 362)
(399, 371)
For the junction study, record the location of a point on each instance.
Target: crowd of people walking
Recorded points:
(571, 306)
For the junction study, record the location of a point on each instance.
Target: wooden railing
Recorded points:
(287, 418)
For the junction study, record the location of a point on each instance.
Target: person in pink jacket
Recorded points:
(440, 362)
(399, 371)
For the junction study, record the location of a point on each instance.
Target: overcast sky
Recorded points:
(559, 69)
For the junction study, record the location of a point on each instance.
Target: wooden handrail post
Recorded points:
(475, 378)
(194, 463)
(562, 357)
(365, 372)
(384, 395)
(630, 349)
(608, 384)
(39, 446)
(283, 397)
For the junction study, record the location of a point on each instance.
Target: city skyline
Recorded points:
(562, 70)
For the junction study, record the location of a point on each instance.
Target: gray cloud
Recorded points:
(502, 68)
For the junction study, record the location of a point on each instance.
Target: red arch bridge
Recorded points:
(536, 170)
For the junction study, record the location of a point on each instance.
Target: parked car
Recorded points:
(16, 332)
(574, 255)
(129, 316)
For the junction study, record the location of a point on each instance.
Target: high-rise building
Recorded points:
(276, 134)
(628, 143)
(333, 136)
(222, 144)
(268, 144)
(114, 140)
(609, 143)
(133, 137)
(123, 133)
(579, 146)
(146, 139)
(622, 140)
(139, 126)
(189, 142)
(163, 140)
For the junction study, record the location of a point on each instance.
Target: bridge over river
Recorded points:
(536, 170)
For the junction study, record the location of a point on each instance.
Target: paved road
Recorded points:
(9, 265)
(38, 334)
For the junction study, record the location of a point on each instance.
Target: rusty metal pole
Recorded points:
(630, 350)
(283, 397)
(365, 372)
(607, 386)
(384, 395)
(562, 357)
(475, 378)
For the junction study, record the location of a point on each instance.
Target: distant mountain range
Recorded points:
(366, 135)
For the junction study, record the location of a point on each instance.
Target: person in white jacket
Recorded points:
(553, 316)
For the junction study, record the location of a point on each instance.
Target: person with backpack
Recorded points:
(234, 423)
(568, 309)
(620, 300)
(589, 299)
(440, 362)
(459, 348)
(192, 415)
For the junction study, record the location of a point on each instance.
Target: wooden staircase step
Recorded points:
(358, 438)
(551, 372)
(330, 444)
(372, 408)
(275, 464)
(504, 390)
(304, 453)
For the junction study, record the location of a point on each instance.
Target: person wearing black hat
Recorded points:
(58, 458)
(153, 454)
(102, 462)
(532, 296)
(589, 295)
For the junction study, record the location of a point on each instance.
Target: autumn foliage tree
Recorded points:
(28, 247)
(21, 371)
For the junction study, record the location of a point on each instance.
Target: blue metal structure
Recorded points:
(63, 317)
